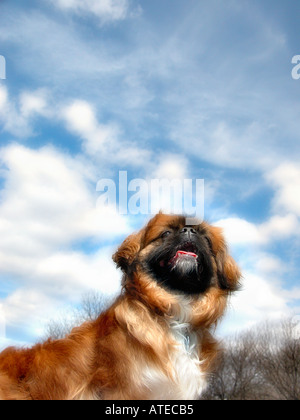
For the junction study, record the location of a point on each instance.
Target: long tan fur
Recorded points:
(136, 349)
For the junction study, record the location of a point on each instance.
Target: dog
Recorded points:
(154, 342)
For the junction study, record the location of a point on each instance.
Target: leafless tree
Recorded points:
(263, 363)
(279, 360)
(90, 307)
(237, 377)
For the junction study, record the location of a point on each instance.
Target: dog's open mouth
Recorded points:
(185, 252)
(182, 254)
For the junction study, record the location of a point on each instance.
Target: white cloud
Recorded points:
(264, 293)
(193, 111)
(32, 103)
(17, 115)
(102, 142)
(293, 294)
(46, 206)
(23, 304)
(268, 264)
(259, 299)
(81, 119)
(286, 180)
(49, 205)
(152, 85)
(105, 10)
(239, 231)
(279, 227)
(171, 166)
(52, 282)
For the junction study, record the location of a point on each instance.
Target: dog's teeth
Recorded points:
(182, 254)
(192, 254)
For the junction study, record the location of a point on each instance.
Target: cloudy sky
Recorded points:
(191, 89)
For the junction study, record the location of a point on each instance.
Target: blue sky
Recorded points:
(189, 89)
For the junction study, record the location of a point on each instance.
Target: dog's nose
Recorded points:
(189, 231)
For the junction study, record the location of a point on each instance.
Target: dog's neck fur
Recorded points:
(186, 378)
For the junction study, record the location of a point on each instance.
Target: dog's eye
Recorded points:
(165, 234)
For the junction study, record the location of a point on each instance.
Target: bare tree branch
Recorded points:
(263, 363)
(91, 306)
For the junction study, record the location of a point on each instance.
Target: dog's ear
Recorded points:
(228, 272)
(129, 249)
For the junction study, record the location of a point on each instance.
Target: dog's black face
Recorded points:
(181, 260)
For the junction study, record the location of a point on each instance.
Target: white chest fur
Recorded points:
(189, 378)
(188, 381)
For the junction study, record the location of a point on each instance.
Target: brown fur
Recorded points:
(103, 359)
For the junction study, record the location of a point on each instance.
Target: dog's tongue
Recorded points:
(182, 253)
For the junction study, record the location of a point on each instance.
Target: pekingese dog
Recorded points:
(154, 342)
